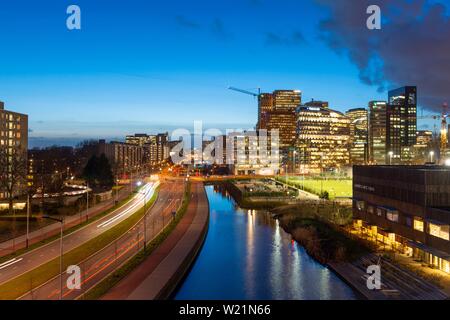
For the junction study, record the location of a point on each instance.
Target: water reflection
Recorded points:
(247, 255)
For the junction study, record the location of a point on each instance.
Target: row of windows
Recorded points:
(436, 230)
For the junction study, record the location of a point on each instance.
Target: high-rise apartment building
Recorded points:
(358, 146)
(401, 124)
(323, 139)
(377, 132)
(13, 150)
(126, 159)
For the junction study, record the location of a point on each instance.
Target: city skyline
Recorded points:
(77, 84)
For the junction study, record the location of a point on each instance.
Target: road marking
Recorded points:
(148, 195)
(9, 263)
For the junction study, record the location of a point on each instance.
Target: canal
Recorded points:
(247, 255)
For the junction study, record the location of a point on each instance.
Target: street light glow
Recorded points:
(447, 162)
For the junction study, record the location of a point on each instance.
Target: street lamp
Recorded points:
(61, 221)
(295, 154)
(145, 219)
(447, 162)
(391, 153)
(431, 156)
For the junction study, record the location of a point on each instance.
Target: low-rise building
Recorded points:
(406, 208)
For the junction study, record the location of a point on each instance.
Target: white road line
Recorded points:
(9, 263)
(147, 194)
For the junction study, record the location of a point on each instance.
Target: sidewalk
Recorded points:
(10, 246)
(161, 272)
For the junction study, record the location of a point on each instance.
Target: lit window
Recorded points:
(418, 225)
(440, 231)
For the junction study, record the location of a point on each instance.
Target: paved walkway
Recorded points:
(160, 273)
(12, 245)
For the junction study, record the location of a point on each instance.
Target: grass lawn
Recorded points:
(20, 285)
(335, 187)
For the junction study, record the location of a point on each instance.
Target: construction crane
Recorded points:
(256, 95)
(443, 145)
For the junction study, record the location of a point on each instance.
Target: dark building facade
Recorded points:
(401, 124)
(377, 132)
(406, 208)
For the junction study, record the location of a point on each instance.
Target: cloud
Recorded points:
(186, 23)
(273, 39)
(412, 48)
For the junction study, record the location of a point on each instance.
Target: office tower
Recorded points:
(358, 135)
(377, 132)
(283, 118)
(265, 105)
(13, 150)
(401, 124)
(323, 139)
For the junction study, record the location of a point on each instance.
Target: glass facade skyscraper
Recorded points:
(401, 124)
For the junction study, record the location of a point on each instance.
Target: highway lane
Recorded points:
(95, 268)
(32, 259)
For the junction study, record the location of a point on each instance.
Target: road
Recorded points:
(10, 246)
(33, 259)
(159, 273)
(98, 266)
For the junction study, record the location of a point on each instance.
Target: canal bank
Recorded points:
(162, 271)
(248, 255)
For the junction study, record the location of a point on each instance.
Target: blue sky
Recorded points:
(141, 65)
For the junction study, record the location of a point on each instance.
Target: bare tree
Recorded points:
(13, 172)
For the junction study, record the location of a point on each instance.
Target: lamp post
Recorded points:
(390, 157)
(431, 156)
(87, 201)
(61, 221)
(139, 183)
(28, 219)
(295, 155)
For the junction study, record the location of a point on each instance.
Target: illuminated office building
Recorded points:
(358, 147)
(155, 147)
(377, 132)
(14, 146)
(265, 105)
(323, 139)
(423, 149)
(316, 103)
(277, 111)
(401, 124)
(406, 209)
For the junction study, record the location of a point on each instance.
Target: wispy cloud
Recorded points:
(186, 23)
(294, 39)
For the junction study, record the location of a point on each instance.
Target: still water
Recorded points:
(247, 255)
